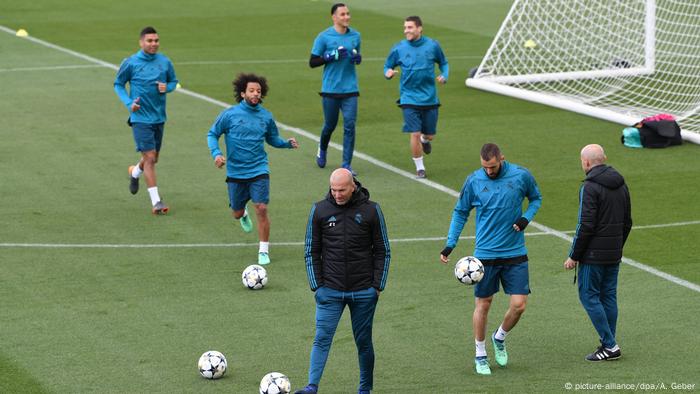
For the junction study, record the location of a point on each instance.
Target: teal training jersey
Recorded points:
(246, 128)
(498, 204)
(143, 72)
(417, 60)
(338, 76)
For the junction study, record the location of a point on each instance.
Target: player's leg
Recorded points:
(238, 196)
(516, 283)
(608, 295)
(260, 195)
(331, 110)
(329, 309)
(483, 297)
(589, 285)
(412, 124)
(429, 129)
(349, 110)
(362, 306)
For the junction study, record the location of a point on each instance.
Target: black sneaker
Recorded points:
(427, 147)
(420, 174)
(133, 182)
(603, 354)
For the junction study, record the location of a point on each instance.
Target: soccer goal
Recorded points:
(619, 60)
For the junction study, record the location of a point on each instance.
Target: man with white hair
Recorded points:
(604, 223)
(347, 261)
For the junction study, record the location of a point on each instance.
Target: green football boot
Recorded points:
(500, 351)
(246, 223)
(482, 366)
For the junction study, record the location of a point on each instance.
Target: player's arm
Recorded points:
(120, 81)
(628, 217)
(272, 137)
(213, 140)
(460, 215)
(172, 81)
(312, 251)
(534, 198)
(316, 61)
(381, 251)
(588, 212)
(390, 63)
(443, 65)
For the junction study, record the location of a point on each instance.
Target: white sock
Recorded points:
(137, 171)
(423, 140)
(419, 163)
(501, 334)
(264, 247)
(153, 192)
(613, 349)
(480, 348)
(245, 213)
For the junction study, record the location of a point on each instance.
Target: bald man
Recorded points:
(347, 261)
(604, 222)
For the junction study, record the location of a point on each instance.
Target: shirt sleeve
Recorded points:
(213, 136)
(441, 60)
(585, 229)
(123, 76)
(460, 214)
(312, 251)
(381, 251)
(534, 197)
(172, 78)
(392, 60)
(272, 136)
(319, 46)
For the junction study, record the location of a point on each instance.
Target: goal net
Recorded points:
(619, 60)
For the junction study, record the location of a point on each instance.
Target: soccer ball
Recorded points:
(275, 383)
(212, 365)
(469, 270)
(254, 277)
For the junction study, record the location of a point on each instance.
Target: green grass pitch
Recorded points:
(101, 317)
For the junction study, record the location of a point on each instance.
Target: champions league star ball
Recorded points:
(212, 365)
(254, 277)
(469, 270)
(275, 383)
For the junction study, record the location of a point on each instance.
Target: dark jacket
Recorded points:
(605, 217)
(347, 247)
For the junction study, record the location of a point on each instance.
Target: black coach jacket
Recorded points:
(605, 217)
(346, 246)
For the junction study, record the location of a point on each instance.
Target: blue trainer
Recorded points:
(321, 157)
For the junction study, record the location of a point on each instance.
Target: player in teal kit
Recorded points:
(246, 127)
(150, 76)
(338, 50)
(417, 56)
(497, 191)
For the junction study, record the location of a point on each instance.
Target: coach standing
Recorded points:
(347, 262)
(604, 222)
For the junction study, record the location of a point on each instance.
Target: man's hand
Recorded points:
(441, 79)
(389, 73)
(445, 252)
(293, 142)
(355, 58)
(219, 161)
(162, 87)
(135, 106)
(570, 264)
(520, 224)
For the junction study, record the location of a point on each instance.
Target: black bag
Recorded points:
(659, 133)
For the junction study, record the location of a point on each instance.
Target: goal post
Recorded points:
(618, 60)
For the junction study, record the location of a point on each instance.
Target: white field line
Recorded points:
(365, 157)
(50, 68)
(247, 244)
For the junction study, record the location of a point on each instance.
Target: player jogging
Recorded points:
(150, 76)
(417, 56)
(246, 127)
